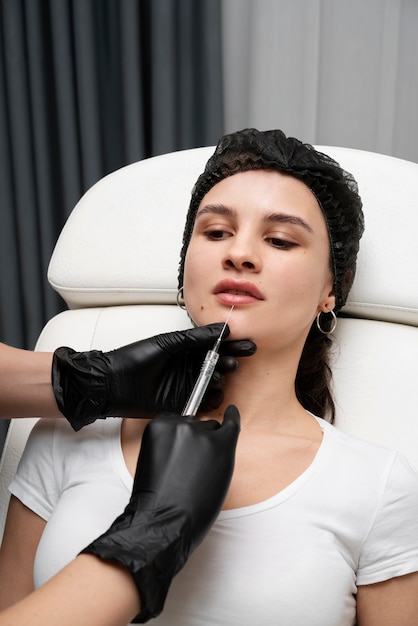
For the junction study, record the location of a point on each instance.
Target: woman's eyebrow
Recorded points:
(281, 218)
(286, 218)
(217, 209)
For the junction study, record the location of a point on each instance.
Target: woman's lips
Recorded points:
(237, 292)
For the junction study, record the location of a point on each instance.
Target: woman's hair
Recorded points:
(337, 194)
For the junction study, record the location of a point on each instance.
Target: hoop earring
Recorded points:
(333, 323)
(180, 299)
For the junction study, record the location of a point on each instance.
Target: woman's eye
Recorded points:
(217, 234)
(283, 244)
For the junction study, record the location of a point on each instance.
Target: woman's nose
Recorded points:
(242, 255)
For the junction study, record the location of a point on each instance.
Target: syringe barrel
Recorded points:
(206, 373)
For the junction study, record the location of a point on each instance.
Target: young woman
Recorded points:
(318, 527)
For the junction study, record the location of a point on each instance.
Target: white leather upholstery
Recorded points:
(116, 260)
(121, 243)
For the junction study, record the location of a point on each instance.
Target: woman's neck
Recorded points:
(264, 392)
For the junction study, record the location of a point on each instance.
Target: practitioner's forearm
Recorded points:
(87, 592)
(25, 384)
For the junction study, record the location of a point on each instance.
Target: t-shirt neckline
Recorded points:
(294, 487)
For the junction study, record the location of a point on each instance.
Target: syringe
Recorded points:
(206, 373)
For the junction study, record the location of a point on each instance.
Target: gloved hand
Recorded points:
(183, 474)
(142, 378)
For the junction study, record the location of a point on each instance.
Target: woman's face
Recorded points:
(259, 243)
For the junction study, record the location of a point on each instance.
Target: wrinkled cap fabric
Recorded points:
(335, 190)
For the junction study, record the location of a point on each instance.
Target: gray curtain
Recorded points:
(329, 72)
(87, 86)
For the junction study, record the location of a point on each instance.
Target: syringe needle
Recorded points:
(219, 339)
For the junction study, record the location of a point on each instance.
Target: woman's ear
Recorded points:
(328, 303)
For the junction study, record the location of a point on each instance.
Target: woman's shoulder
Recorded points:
(353, 443)
(54, 438)
(366, 458)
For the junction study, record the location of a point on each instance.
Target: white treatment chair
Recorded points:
(115, 264)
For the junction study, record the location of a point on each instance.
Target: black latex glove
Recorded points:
(183, 474)
(142, 378)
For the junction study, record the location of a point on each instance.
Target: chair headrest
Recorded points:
(121, 243)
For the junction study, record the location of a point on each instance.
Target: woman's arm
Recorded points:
(25, 384)
(17, 553)
(394, 601)
(87, 591)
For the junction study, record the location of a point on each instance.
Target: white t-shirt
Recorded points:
(293, 560)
